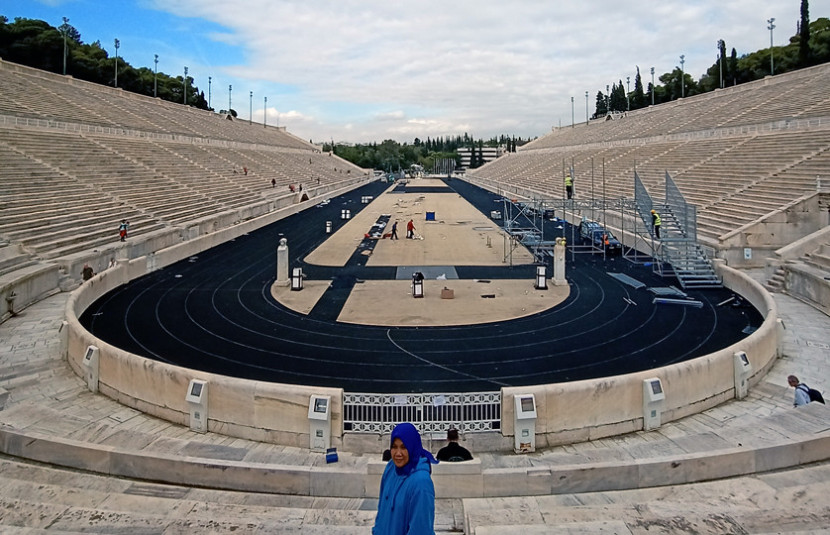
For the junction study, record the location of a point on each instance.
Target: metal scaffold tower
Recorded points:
(677, 252)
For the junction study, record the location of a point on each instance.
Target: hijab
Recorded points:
(412, 440)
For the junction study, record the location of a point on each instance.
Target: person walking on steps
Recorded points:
(410, 230)
(394, 235)
(122, 229)
(569, 186)
(803, 393)
(656, 222)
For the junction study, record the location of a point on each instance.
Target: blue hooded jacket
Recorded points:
(407, 497)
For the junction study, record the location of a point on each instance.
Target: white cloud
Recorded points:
(487, 67)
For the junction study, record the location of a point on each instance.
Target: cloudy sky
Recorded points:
(369, 70)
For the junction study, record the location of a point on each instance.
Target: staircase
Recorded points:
(689, 264)
(777, 283)
(678, 247)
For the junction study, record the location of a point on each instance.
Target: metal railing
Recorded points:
(472, 412)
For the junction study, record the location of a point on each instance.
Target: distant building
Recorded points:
(489, 154)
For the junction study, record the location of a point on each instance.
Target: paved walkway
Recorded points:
(47, 400)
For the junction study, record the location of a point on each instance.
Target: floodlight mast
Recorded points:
(770, 28)
(65, 29)
(117, 44)
(652, 86)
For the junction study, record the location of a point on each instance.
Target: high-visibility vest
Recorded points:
(657, 220)
(569, 181)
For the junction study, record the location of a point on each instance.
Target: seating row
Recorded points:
(797, 95)
(732, 180)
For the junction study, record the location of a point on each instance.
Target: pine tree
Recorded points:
(601, 105)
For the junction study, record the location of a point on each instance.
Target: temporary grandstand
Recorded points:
(749, 162)
(752, 160)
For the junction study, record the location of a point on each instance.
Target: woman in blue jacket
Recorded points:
(407, 496)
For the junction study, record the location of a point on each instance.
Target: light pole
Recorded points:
(117, 44)
(184, 81)
(156, 76)
(682, 76)
(265, 113)
(572, 112)
(586, 108)
(771, 27)
(721, 54)
(65, 29)
(250, 107)
(628, 93)
(652, 86)
(230, 89)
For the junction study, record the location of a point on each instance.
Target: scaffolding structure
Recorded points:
(676, 254)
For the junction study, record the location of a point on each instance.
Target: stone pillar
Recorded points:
(559, 263)
(282, 263)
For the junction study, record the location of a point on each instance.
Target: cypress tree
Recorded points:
(804, 35)
(638, 100)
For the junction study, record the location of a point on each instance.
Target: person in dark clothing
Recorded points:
(454, 452)
(87, 273)
(394, 235)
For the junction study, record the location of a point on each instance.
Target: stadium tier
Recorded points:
(738, 153)
(78, 158)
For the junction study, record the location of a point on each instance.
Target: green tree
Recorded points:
(37, 44)
(618, 100)
(804, 35)
(717, 73)
(820, 40)
(733, 67)
(601, 105)
(638, 99)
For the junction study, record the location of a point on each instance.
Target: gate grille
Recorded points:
(431, 413)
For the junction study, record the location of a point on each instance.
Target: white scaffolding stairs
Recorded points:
(677, 253)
